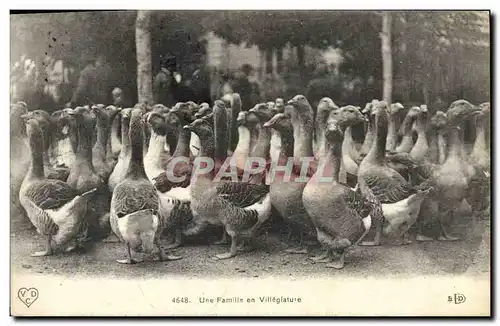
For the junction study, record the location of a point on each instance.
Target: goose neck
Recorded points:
(287, 146)
(84, 149)
(454, 144)
(136, 164)
(182, 148)
(126, 148)
(391, 133)
(303, 135)
(377, 150)
(263, 143)
(36, 146)
(433, 146)
(479, 147)
(329, 166)
(102, 139)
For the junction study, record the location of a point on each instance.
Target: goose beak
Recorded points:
(268, 124)
(291, 102)
(187, 127)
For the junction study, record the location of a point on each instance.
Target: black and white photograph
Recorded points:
(250, 163)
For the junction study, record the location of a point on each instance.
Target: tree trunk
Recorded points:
(301, 60)
(385, 36)
(143, 50)
(269, 61)
(301, 57)
(279, 60)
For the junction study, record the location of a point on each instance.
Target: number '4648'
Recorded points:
(180, 300)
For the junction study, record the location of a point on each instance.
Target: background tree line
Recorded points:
(436, 57)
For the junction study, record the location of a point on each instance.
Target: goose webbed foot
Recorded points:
(129, 260)
(47, 251)
(162, 256)
(167, 257)
(224, 240)
(405, 239)
(369, 244)
(232, 252)
(172, 257)
(301, 249)
(226, 255)
(447, 238)
(41, 253)
(246, 246)
(326, 258)
(320, 256)
(423, 238)
(337, 264)
(178, 240)
(73, 247)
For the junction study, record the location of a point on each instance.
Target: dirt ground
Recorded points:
(471, 256)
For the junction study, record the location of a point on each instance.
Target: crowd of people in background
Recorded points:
(57, 84)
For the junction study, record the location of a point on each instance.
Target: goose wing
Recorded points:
(389, 187)
(163, 182)
(50, 193)
(357, 202)
(242, 194)
(133, 197)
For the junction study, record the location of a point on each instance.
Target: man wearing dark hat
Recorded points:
(163, 81)
(241, 84)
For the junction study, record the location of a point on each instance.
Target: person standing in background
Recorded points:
(83, 93)
(103, 76)
(256, 96)
(119, 99)
(200, 83)
(94, 84)
(242, 85)
(162, 82)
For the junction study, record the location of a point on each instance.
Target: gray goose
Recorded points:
(392, 135)
(19, 153)
(407, 144)
(120, 168)
(240, 207)
(174, 195)
(53, 206)
(47, 125)
(341, 215)
(325, 106)
(286, 195)
(380, 183)
(83, 176)
(135, 210)
(103, 163)
(479, 190)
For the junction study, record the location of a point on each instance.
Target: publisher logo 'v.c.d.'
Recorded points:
(27, 296)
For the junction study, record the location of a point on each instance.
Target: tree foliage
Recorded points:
(435, 54)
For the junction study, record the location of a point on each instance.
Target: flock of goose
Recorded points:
(134, 175)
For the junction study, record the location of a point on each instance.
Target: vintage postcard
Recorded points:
(250, 163)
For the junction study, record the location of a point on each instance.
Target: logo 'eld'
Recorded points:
(27, 296)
